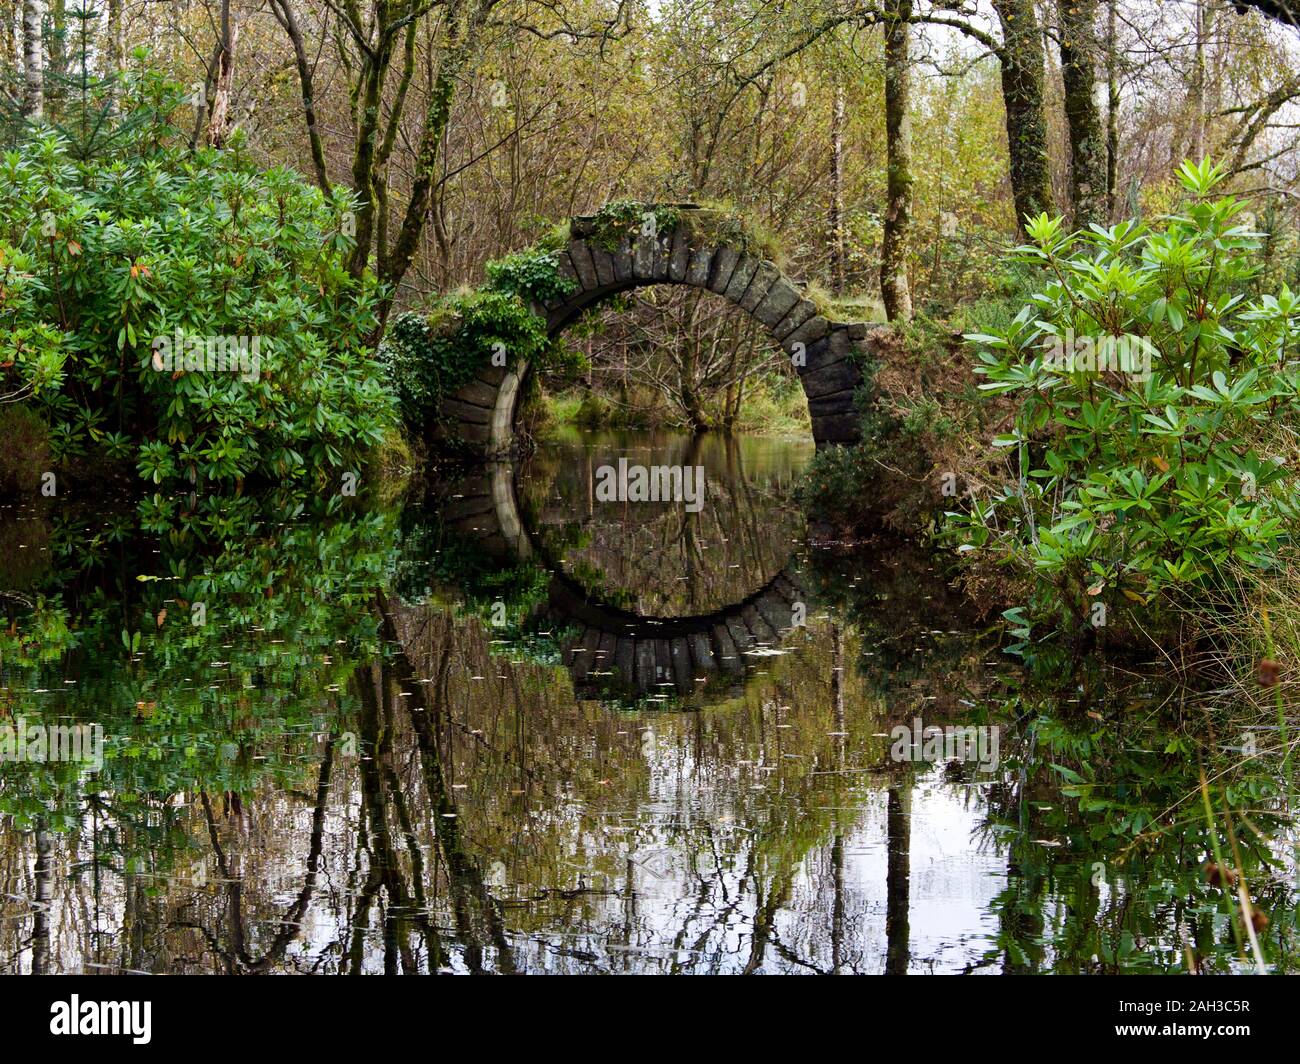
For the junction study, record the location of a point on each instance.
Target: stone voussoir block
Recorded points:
(812, 330)
(622, 259)
(603, 262)
(564, 263)
(582, 264)
(810, 358)
(679, 258)
(724, 265)
(802, 310)
(764, 278)
(842, 343)
(746, 267)
(663, 254)
(699, 267)
(645, 251)
(777, 303)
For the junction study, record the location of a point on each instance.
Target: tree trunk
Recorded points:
(219, 120)
(1199, 88)
(1080, 52)
(898, 863)
(33, 60)
(894, 287)
(835, 217)
(461, 39)
(1022, 93)
(56, 72)
(1112, 111)
(115, 50)
(9, 34)
(284, 14)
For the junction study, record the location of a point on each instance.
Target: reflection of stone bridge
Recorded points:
(612, 651)
(703, 249)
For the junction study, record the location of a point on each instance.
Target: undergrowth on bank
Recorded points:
(1144, 467)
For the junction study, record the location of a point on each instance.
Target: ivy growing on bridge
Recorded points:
(430, 357)
(623, 219)
(717, 222)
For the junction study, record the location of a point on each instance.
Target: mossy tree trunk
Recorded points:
(9, 34)
(835, 217)
(453, 40)
(288, 19)
(1112, 109)
(894, 287)
(1080, 55)
(461, 34)
(56, 72)
(114, 46)
(1022, 92)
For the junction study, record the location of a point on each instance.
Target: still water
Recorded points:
(505, 724)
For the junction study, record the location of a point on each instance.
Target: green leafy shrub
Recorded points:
(103, 259)
(1149, 463)
(31, 350)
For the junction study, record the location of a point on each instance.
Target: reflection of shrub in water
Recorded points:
(220, 706)
(431, 557)
(915, 626)
(1102, 807)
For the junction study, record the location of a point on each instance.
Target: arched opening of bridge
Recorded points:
(672, 357)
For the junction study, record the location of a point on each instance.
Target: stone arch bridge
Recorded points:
(704, 249)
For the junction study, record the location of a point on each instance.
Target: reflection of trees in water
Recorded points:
(221, 706)
(460, 810)
(600, 819)
(657, 558)
(495, 825)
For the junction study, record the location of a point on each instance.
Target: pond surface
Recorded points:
(510, 724)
